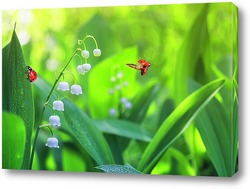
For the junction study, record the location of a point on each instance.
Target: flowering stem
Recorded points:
(87, 36)
(61, 73)
(120, 104)
(47, 104)
(48, 97)
(79, 57)
(90, 36)
(57, 96)
(48, 126)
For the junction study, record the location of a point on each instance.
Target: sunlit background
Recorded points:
(185, 44)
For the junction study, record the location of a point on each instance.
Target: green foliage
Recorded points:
(184, 114)
(119, 169)
(83, 129)
(13, 141)
(17, 96)
(124, 128)
(176, 123)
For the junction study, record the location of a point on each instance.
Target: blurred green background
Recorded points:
(188, 45)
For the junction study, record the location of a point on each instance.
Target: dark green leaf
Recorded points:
(219, 132)
(119, 169)
(17, 95)
(85, 131)
(125, 129)
(176, 124)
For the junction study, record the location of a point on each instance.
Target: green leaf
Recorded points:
(190, 53)
(125, 129)
(143, 101)
(17, 95)
(176, 123)
(13, 141)
(119, 169)
(99, 82)
(85, 131)
(78, 125)
(214, 123)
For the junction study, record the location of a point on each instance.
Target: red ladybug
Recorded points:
(32, 75)
(143, 66)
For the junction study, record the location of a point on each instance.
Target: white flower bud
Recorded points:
(52, 143)
(119, 75)
(111, 91)
(112, 112)
(113, 79)
(128, 105)
(86, 67)
(118, 87)
(85, 54)
(54, 120)
(76, 89)
(63, 86)
(125, 83)
(58, 105)
(97, 52)
(80, 70)
(124, 100)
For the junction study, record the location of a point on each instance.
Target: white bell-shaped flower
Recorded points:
(76, 89)
(112, 112)
(58, 105)
(125, 83)
(97, 52)
(119, 75)
(52, 142)
(80, 69)
(128, 105)
(85, 54)
(113, 79)
(118, 87)
(124, 100)
(86, 67)
(63, 86)
(111, 91)
(54, 120)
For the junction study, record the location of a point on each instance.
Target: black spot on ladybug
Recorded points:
(32, 75)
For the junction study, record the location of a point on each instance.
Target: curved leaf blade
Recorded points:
(125, 129)
(119, 169)
(17, 94)
(142, 102)
(85, 131)
(13, 141)
(215, 123)
(177, 122)
(190, 52)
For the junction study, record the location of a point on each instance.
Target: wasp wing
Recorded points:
(135, 66)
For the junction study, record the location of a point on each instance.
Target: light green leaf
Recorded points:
(99, 82)
(13, 141)
(125, 129)
(176, 123)
(189, 54)
(119, 169)
(17, 95)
